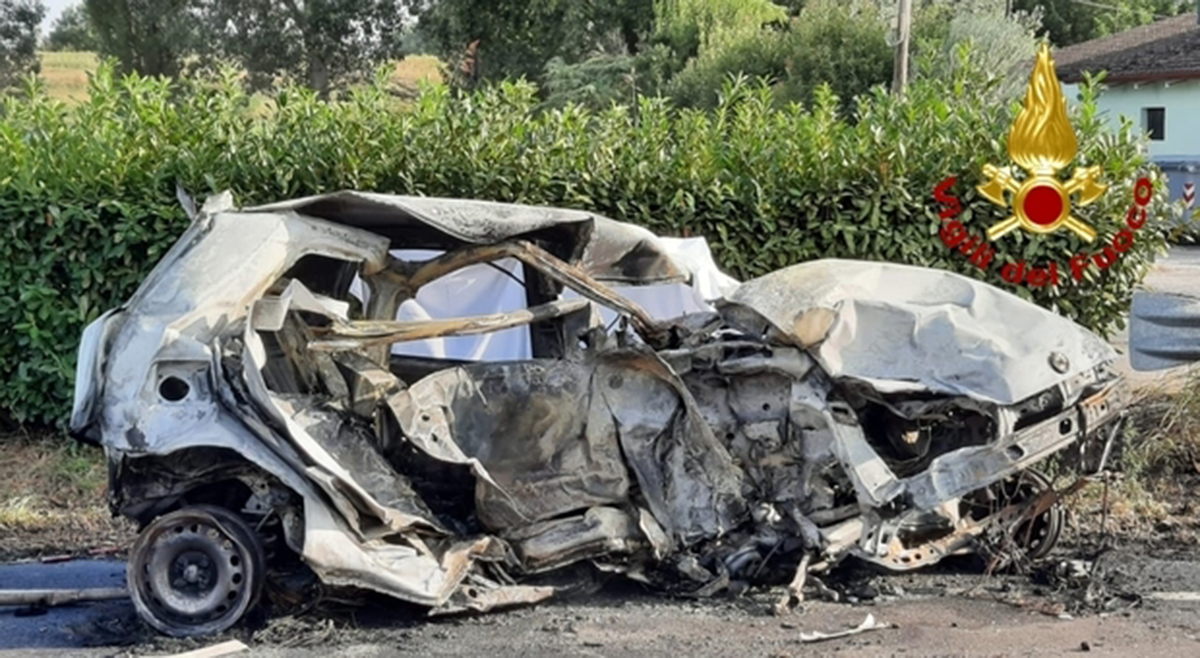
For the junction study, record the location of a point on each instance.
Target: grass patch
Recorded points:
(65, 74)
(1164, 434)
(52, 497)
(1159, 464)
(417, 68)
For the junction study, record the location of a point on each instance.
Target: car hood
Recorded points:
(901, 328)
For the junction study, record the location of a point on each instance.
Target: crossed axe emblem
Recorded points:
(1041, 203)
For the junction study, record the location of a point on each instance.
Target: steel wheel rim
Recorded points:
(1035, 537)
(195, 572)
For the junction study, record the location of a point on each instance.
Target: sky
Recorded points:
(53, 9)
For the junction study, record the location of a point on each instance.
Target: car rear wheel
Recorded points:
(196, 571)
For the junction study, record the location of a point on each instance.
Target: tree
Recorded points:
(496, 39)
(1067, 22)
(600, 81)
(19, 21)
(150, 37)
(693, 26)
(322, 42)
(72, 31)
(1001, 45)
(835, 43)
(1064, 22)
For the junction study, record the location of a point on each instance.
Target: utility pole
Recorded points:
(900, 64)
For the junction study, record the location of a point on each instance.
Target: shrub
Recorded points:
(87, 192)
(1004, 43)
(842, 46)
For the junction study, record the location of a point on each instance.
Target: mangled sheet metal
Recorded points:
(894, 327)
(258, 424)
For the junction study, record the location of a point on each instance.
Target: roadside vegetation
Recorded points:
(1155, 470)
(52, 498)
(89, 190)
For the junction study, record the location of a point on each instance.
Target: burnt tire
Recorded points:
(1039, 535)
(1031, 539)
(196, 571)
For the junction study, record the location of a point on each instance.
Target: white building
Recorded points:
(1154, 79)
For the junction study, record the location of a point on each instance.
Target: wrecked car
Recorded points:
(257, 412)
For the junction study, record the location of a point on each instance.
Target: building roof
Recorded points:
(1164, 50)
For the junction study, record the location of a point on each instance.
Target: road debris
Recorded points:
(214, 651)
(795, 589)
(1176, 597)
(868, 624)
(48, 598)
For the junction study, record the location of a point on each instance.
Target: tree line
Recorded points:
(585, 51)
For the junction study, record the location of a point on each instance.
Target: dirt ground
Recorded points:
(52, 500)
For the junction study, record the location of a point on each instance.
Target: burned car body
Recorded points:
(253, 411)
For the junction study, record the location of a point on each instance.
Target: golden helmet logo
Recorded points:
(1042, 142)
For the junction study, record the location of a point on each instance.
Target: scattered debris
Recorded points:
(1177, 597)
(795, 589)
(1088, 585)
(868, 624)
(214, 651)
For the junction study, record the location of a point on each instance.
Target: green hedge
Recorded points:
(87, 192)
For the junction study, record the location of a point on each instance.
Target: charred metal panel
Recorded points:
(601, 531)
(547, 441)
(690, 482)
(894, 328)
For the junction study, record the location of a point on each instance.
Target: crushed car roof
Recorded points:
(608, 250)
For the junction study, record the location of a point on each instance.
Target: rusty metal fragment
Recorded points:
(354, 335)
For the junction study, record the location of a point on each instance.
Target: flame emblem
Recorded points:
(1042, 142)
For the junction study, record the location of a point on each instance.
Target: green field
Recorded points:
(65, 73)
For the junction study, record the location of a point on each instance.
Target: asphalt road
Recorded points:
(1178, 272)
(58, 628)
